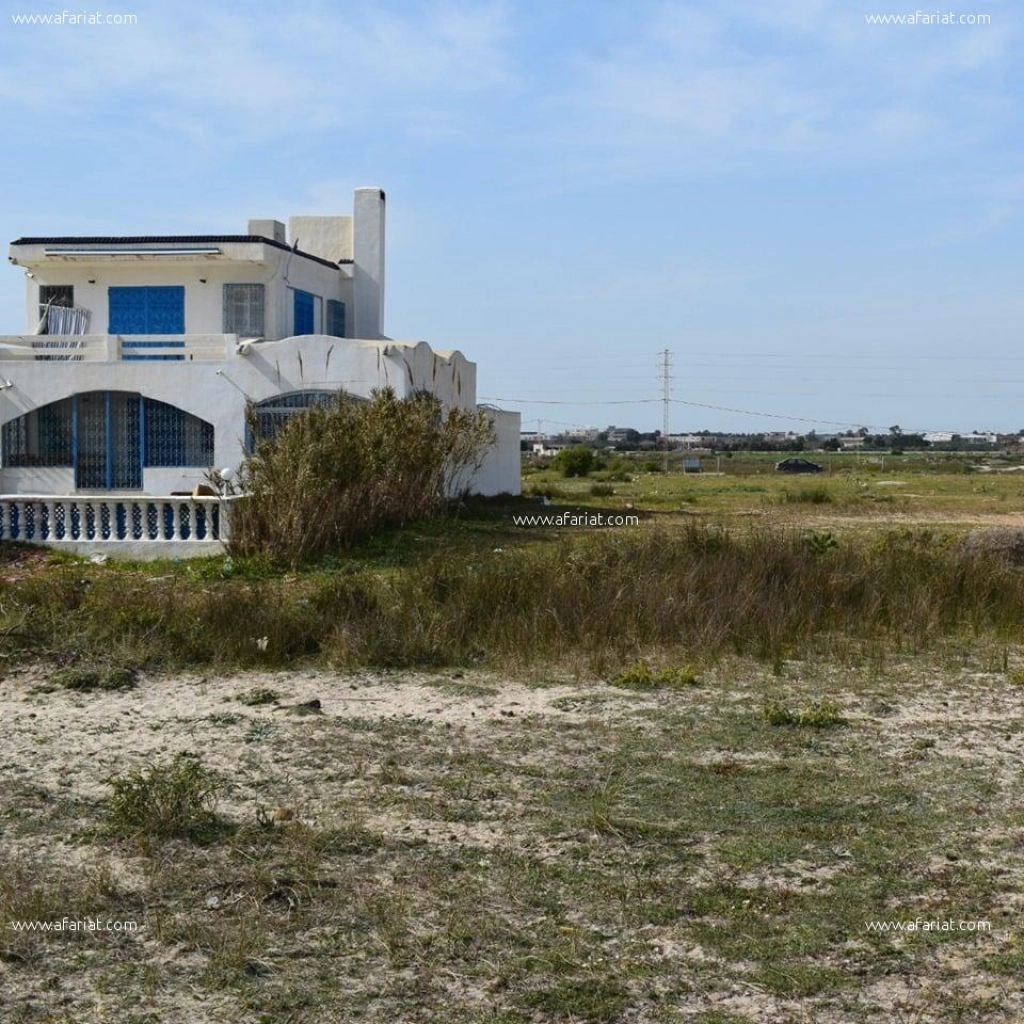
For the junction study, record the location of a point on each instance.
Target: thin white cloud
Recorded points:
(254, 71)
(799, 77)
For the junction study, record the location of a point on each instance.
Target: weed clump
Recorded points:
(640, 676)
(819, 495)
(166, 800)
(88, 678)
(258, 697)
(824, 714)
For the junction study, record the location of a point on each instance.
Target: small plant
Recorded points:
(544, 490)
(87, 678)
(601, 490)
(176, 798)
(224, 718)
(258, 696)
(641, 676)
(819, 543)
(257, 732)
(807, 496)
(822, 714)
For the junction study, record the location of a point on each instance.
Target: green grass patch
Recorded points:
(822, 714)
(640, 676)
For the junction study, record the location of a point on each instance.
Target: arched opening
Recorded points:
(108, 438)
(267, 418)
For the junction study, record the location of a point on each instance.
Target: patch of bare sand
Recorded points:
(72, 742)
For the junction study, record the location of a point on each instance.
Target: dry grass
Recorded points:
(693, 592)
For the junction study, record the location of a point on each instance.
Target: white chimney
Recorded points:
(368, 257)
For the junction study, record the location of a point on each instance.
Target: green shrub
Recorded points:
(578, 460)
(335, 475)
(172, 799)
(601, 490)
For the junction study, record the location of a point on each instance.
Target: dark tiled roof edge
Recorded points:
(172, 240)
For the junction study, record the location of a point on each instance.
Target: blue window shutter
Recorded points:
(305, 321)
(165, 310)
(127, 311)
(146, 310)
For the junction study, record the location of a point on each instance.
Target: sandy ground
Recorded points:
(71, 742)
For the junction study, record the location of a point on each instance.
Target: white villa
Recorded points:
(144, 355)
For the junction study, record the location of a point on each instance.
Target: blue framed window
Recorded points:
(42, 437)
(305, 313)
(335, 318)
(174, 437)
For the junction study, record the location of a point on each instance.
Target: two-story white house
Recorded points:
(144, 357)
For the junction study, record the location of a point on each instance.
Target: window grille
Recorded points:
(108, 437)
(336, 318)
(268, 418)
(41, 437)
(243, 310)
(175, 437)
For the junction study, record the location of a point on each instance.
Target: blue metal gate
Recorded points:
(108, 449)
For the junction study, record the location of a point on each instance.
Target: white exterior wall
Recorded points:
(218, 391)
(501, 472)
(279, 271)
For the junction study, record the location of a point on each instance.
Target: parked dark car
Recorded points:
(797, 466)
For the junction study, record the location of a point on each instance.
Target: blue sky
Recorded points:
(821, 218)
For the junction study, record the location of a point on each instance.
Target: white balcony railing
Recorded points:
(140, 527)
(114, 347)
